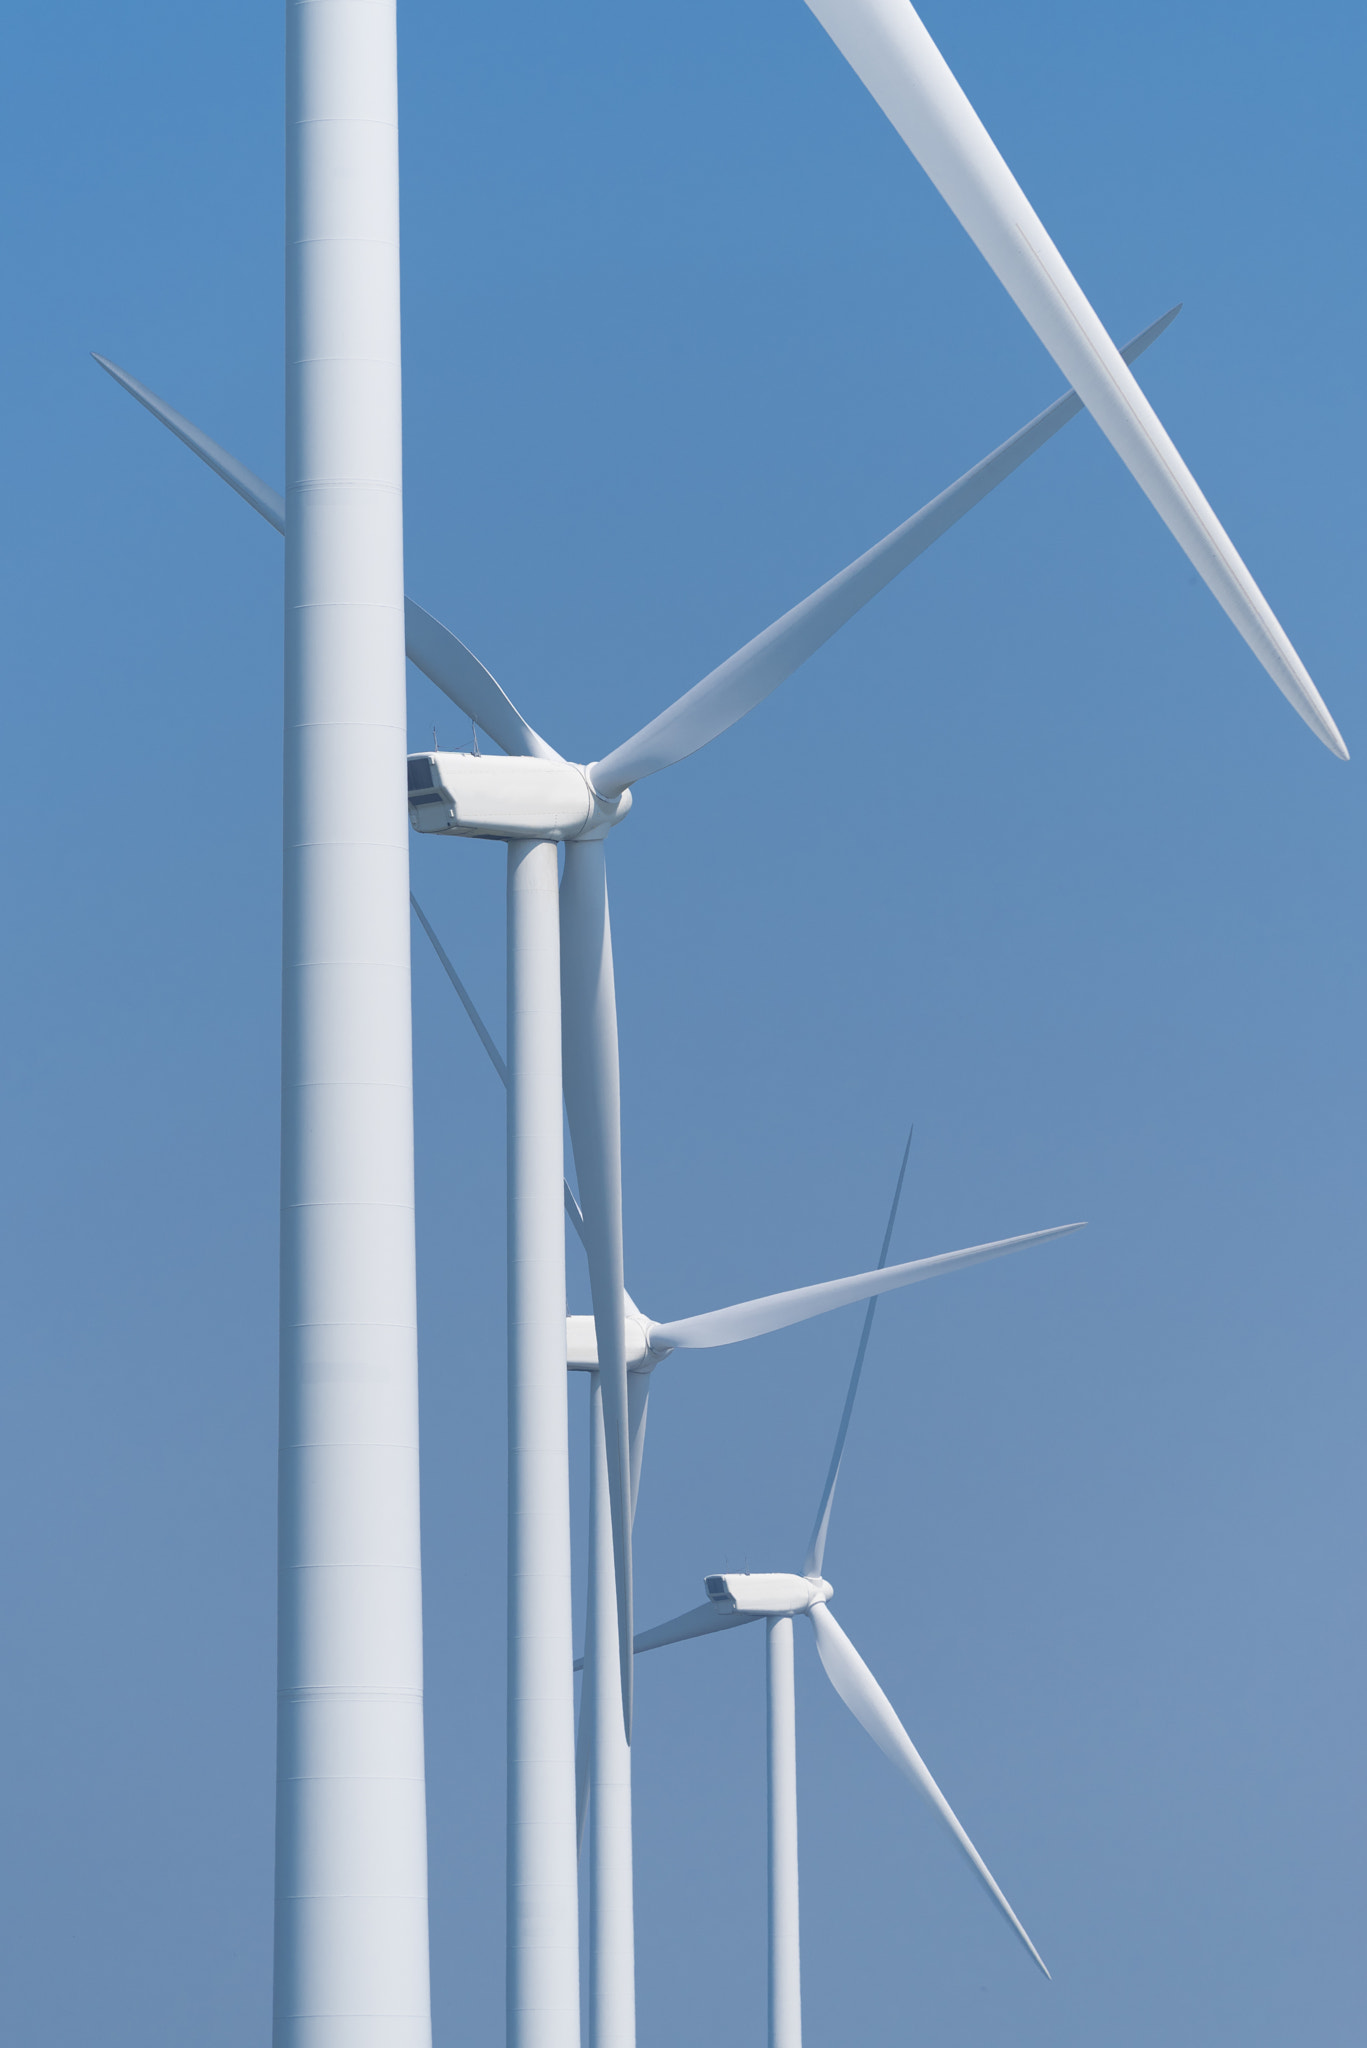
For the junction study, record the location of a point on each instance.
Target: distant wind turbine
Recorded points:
(604, 1756)
(736, 1598)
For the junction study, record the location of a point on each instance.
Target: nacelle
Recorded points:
(581, 1343)
(506, 796)
(766, 1592)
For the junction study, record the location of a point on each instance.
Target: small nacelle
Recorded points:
(504, 796)
(765, 1592)
(581, 1343)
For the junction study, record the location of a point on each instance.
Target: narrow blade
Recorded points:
(706, 1620)
(572, 1209)
(258, 495)
(749, 676)
(816, 1549)
(583, 1745)
(638, 1402)
(869, 1704)
(890, 50)
(592, 1100)
(431, 646)
(799, 1304)
(466, 1000)
(449, 663)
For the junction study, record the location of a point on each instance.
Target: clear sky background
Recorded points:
(1033, 853)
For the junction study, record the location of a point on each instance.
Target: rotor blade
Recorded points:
(869, 1704)
(777, 1311)
(749, 676)
(572, 1209)
(431, 646)
(592, 1100)
(816, 1549)
(581, 1764)
(449, 663)
(638, 1400)
(258, 495)
(500, 1067)
(889, 48)
(699, 1621)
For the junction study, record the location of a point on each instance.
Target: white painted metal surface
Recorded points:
(785, 1956)
(764, 1592)
(498, 796)
(542, 1867)
(612, 1930)
(351, 1968)
(581, 1341)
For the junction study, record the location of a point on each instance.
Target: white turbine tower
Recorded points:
(536, 797)
(736, 1598)
(603, 1754)
(351, 1941)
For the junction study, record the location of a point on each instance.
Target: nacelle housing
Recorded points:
(505, 796)
(765, 1592)
(581, 1343)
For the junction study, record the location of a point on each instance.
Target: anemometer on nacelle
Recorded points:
(507, 796)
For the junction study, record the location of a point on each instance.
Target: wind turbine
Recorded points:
(736, 1598)
(603, 1754)
(535, 798)
(351, 1930)
(561, 993)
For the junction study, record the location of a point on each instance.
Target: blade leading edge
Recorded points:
(747, 677)
(869, 1704)
(706, 1620)
(778, 1311)
(430, 646)
(816, 1549)
(889, 48)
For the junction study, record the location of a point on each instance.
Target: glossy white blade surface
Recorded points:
(430, 646)
(747, 677)
(869, 1704)
(258, 495)
(706, 1620)
(588, 1008)
(816, 1549)
(449, 663)
(777, 1311)
(887, 45)
(638, 1403)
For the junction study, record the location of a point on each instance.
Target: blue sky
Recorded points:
(1033, 853)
